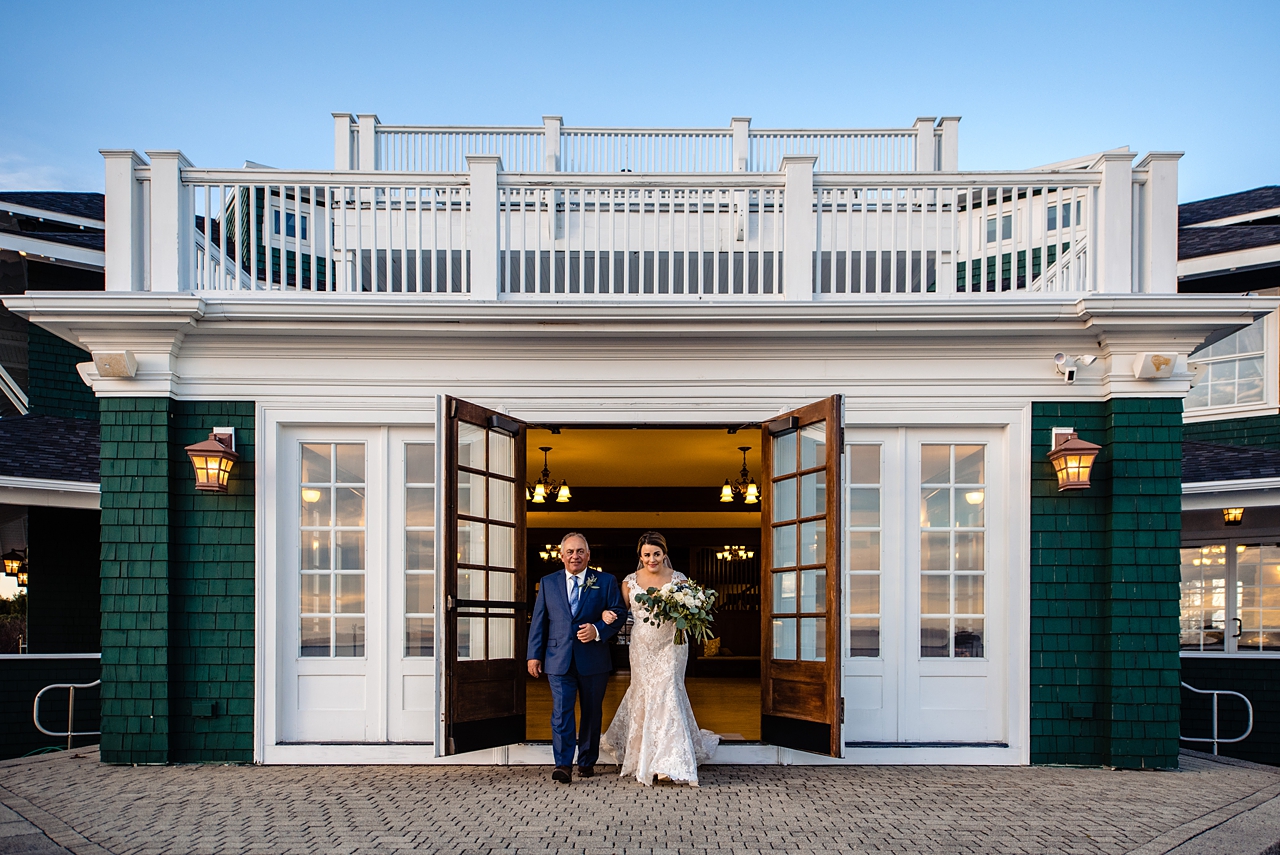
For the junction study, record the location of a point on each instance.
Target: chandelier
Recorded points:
(538, 491)
(745, 486)
(735, 553)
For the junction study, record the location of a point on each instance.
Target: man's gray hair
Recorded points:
(579, 535)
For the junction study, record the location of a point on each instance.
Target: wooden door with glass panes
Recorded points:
(800, 580)
(330, 592)
(956, 639)
(484, 586)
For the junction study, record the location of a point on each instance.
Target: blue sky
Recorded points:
(1034, 82)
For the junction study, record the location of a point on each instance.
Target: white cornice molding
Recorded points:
(1243, 484)
(52, 216)
(48, 493)
(1226, 262)
(53, 250)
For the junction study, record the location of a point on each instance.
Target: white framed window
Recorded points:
(1237, 375)
(332, 552)
(1231, 598)
(290, 223)
(863, 530)
(952, 550)
(420, 549)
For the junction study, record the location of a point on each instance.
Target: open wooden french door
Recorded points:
(801, 706)
(484, 580)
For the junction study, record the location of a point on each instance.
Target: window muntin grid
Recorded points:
(863, 522)
(419, 549)
(799, 529)
(1204, 597)
(952, 550)
(1257, 588)
(486, 560)
(332, 556)
(1234, 370)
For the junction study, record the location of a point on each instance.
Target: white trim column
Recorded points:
(800, 238)
(368, 143)
(925, 147)
(172, 223)
(741, 142)
(1160, 222)
(342, 147)
(551, 126)
(484, 169)
(125, 204)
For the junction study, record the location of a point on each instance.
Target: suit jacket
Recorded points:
(553, 635)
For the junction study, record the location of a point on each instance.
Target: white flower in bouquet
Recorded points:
(686, 604)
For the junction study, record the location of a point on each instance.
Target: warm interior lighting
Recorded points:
(310, 495)
(734, 553)
(545, 486)
(22, 579)
(975, 497)
(745, 486)
(1233, 516)
(212, 460)
(13, 562)
(1072, 460)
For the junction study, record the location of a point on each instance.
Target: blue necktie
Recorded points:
(573, 596)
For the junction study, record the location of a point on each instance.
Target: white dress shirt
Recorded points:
(582, 592)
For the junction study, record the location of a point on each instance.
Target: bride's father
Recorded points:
(568, 641)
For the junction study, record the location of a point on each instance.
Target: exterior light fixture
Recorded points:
(745, 486)
(213, 459)
(15, 562)
(1230, 516)
(1072, 459)
(545, 486)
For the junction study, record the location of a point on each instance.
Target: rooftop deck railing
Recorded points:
(365, 144)
(490, 234)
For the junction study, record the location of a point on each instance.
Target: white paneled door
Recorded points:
(356, 585)
(926, 637)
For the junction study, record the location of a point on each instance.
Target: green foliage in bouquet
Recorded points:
(687, 604)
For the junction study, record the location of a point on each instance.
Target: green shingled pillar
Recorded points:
(135, 580)
(1143, 461)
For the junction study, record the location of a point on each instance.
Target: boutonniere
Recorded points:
(590, 582)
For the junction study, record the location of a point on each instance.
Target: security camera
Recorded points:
(1066, 366)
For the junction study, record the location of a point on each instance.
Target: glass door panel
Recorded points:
(484, 588)
(800, 665)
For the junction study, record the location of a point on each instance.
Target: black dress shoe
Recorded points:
(561, 774)
(586, 771)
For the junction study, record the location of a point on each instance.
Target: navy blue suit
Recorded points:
(575, 668)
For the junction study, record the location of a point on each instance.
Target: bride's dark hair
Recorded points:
(653, 538)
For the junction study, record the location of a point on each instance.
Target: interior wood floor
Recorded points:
(730, 706)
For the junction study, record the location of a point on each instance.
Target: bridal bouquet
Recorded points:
(686, 603)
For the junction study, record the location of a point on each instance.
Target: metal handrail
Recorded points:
(1215, 740)
(71, 711)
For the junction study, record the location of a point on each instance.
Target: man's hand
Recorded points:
(535, 668)
(587, 632)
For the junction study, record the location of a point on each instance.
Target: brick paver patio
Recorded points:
(92, 809)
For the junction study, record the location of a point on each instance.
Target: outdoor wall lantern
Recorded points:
(1072, 459)
(1230, 516)
(15, 562)
(213, 459)
(745, 486)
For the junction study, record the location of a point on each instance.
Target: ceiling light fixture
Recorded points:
(745, 486)
(545, 486)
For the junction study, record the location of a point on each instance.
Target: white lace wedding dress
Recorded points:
(654, 731)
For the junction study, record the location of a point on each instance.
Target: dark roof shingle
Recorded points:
(1207, 461)
(1231, 205)
(1211, 240)
(90, 205)
(51, 447)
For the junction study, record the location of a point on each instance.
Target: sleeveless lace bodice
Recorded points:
(654, 731)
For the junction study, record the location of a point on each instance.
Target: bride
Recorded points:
(654, 732)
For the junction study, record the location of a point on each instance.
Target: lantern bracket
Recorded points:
(225, 435)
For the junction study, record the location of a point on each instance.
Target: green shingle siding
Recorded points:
(54, 385)
(1258, 430)
(177, 586)
(1104, 588)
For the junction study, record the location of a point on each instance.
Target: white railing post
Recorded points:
(741, 142)
(172, 223)
(950, 143)
(925, 159)
(1160, 222)
(1111, 231)
(551, 143)
(125, 221)
(483, 222)
(368, 154)
(343, 159)
(800, 239)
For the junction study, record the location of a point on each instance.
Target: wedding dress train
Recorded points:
(654, 731)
